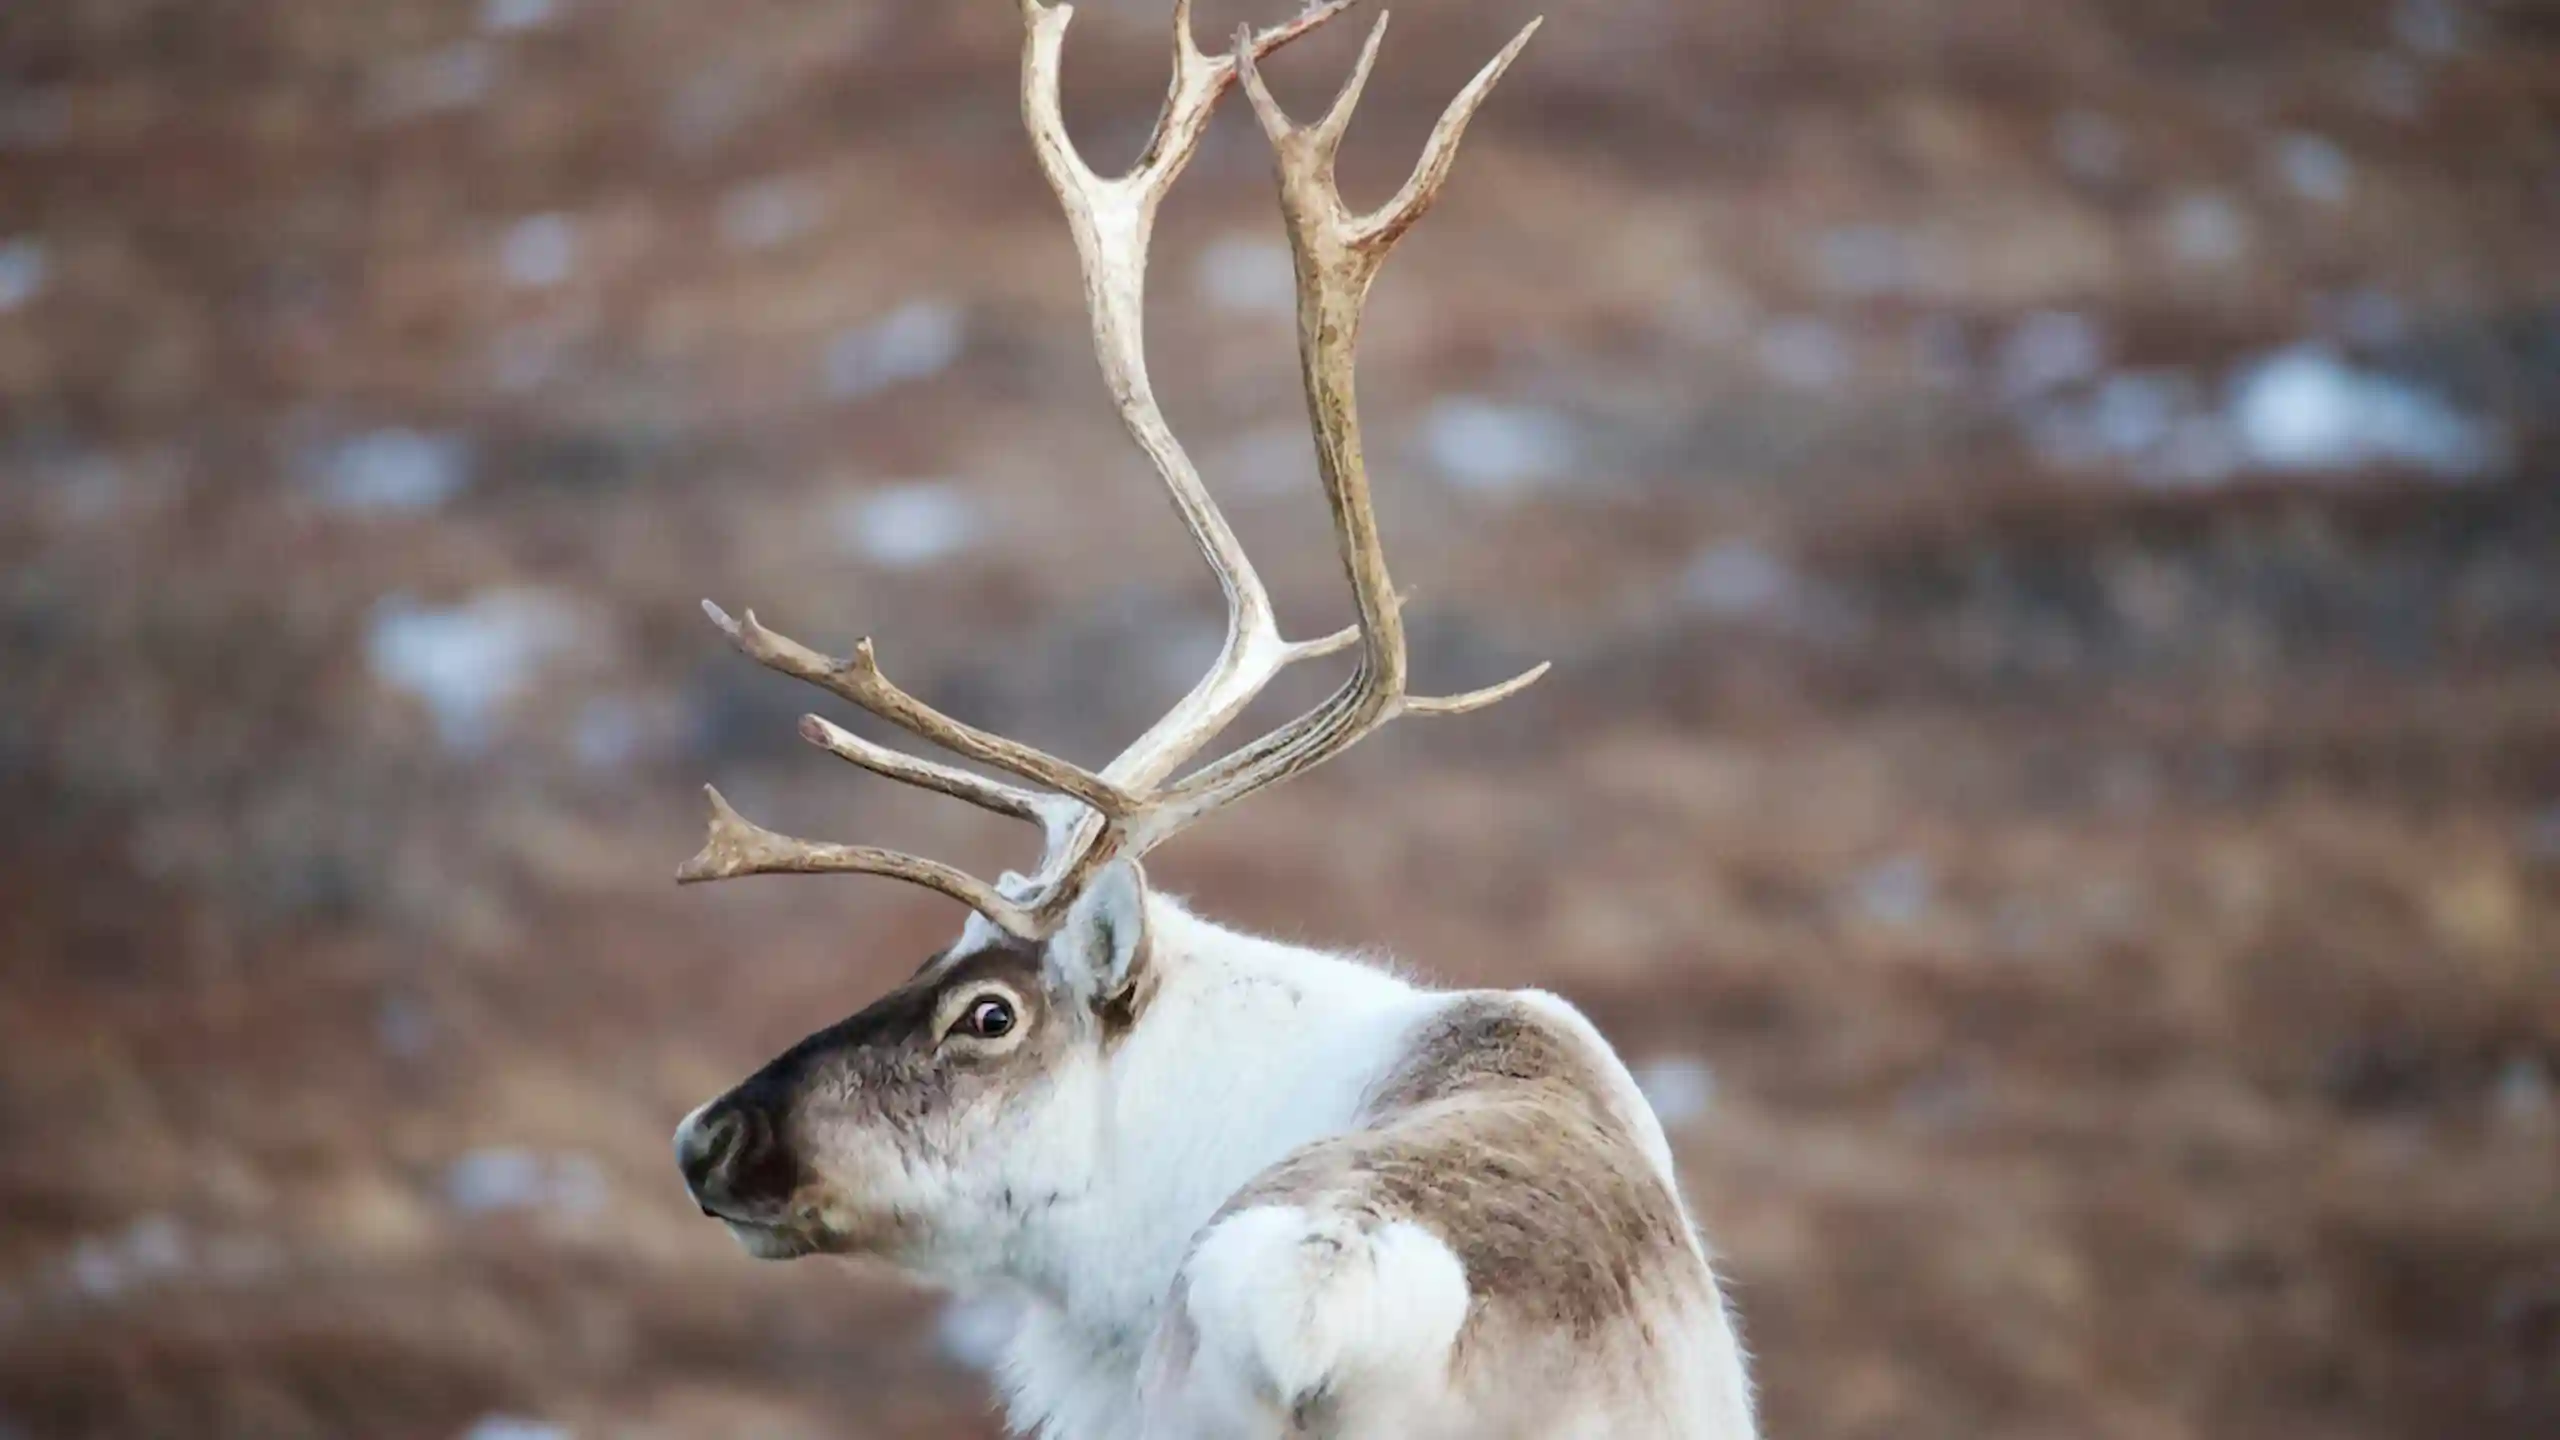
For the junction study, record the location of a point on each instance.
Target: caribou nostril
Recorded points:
(710, 1146)
(734, 1162)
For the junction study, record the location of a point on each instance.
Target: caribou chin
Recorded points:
(768, 1242)
(1243, 1189)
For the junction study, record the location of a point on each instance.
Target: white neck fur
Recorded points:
(1250, 1050)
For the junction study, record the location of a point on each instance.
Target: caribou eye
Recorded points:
(989, 1018)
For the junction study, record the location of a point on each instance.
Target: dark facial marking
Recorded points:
(886, 1061)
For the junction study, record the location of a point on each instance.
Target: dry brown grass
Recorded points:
(2124, 926)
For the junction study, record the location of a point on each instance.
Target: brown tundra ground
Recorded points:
(2046, 515)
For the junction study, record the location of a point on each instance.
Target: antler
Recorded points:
(1338, 256)
(1091, 819)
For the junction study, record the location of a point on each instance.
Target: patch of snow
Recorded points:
(1735, 579)
(96, 1269)
(2315, 168)
(156, 1246)
(1898, 892)
(2307, 409)
(2206, 230)
(87, 488)
(465, 662)
(2524, 1097)
(1868, 261)
(2090, 147)
(766, 213)
(906, 527)
(2047, 351)
(975, 1330)
(1680, 1088)
(487, 1180)
(455, 77)
(1496, 448)
(506, 1178)
(2129, 417)
(514, 1427)
(2431, 27)
(500, 17)
(1247, 274)
(1804, 354)
(2199, 451)
(539, 251)
(916, 341)
(392, 471)
(22, 271)
(151, 1249)
(403, 1027)
(2136, 412)
(2302, 410)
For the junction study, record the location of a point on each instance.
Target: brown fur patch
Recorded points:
(1487, 1041)
(1496, 1135)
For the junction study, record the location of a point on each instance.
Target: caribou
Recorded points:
(1239, 1188)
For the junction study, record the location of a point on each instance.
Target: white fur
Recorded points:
(1247, 1051)
(1288, 1308)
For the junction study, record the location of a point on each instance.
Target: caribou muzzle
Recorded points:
(734, 1160)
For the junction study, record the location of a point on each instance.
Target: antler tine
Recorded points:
(1475, 700)
(1112, 221)
(1090, 820)
(1268, 41)
(1329, 131)
(1338, 255)
(737, 846)
(1382, 227)
(859, 680)
(978, 790)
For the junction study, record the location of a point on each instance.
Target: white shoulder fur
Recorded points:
(1289, 1309)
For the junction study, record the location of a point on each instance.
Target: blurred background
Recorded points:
(2047, 513)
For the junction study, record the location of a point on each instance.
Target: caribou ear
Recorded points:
(1102, 948)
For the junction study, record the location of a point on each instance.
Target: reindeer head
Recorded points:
(923, 1129)
(918, 1128)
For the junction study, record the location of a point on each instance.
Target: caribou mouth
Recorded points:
(766, 1242)
(764, 1239)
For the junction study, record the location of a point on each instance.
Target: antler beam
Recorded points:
(859, 680)
(1133, 804)
(1112, 220)
(1338, 255)
(738, 846)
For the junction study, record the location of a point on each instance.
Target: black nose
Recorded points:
(722, 1149)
